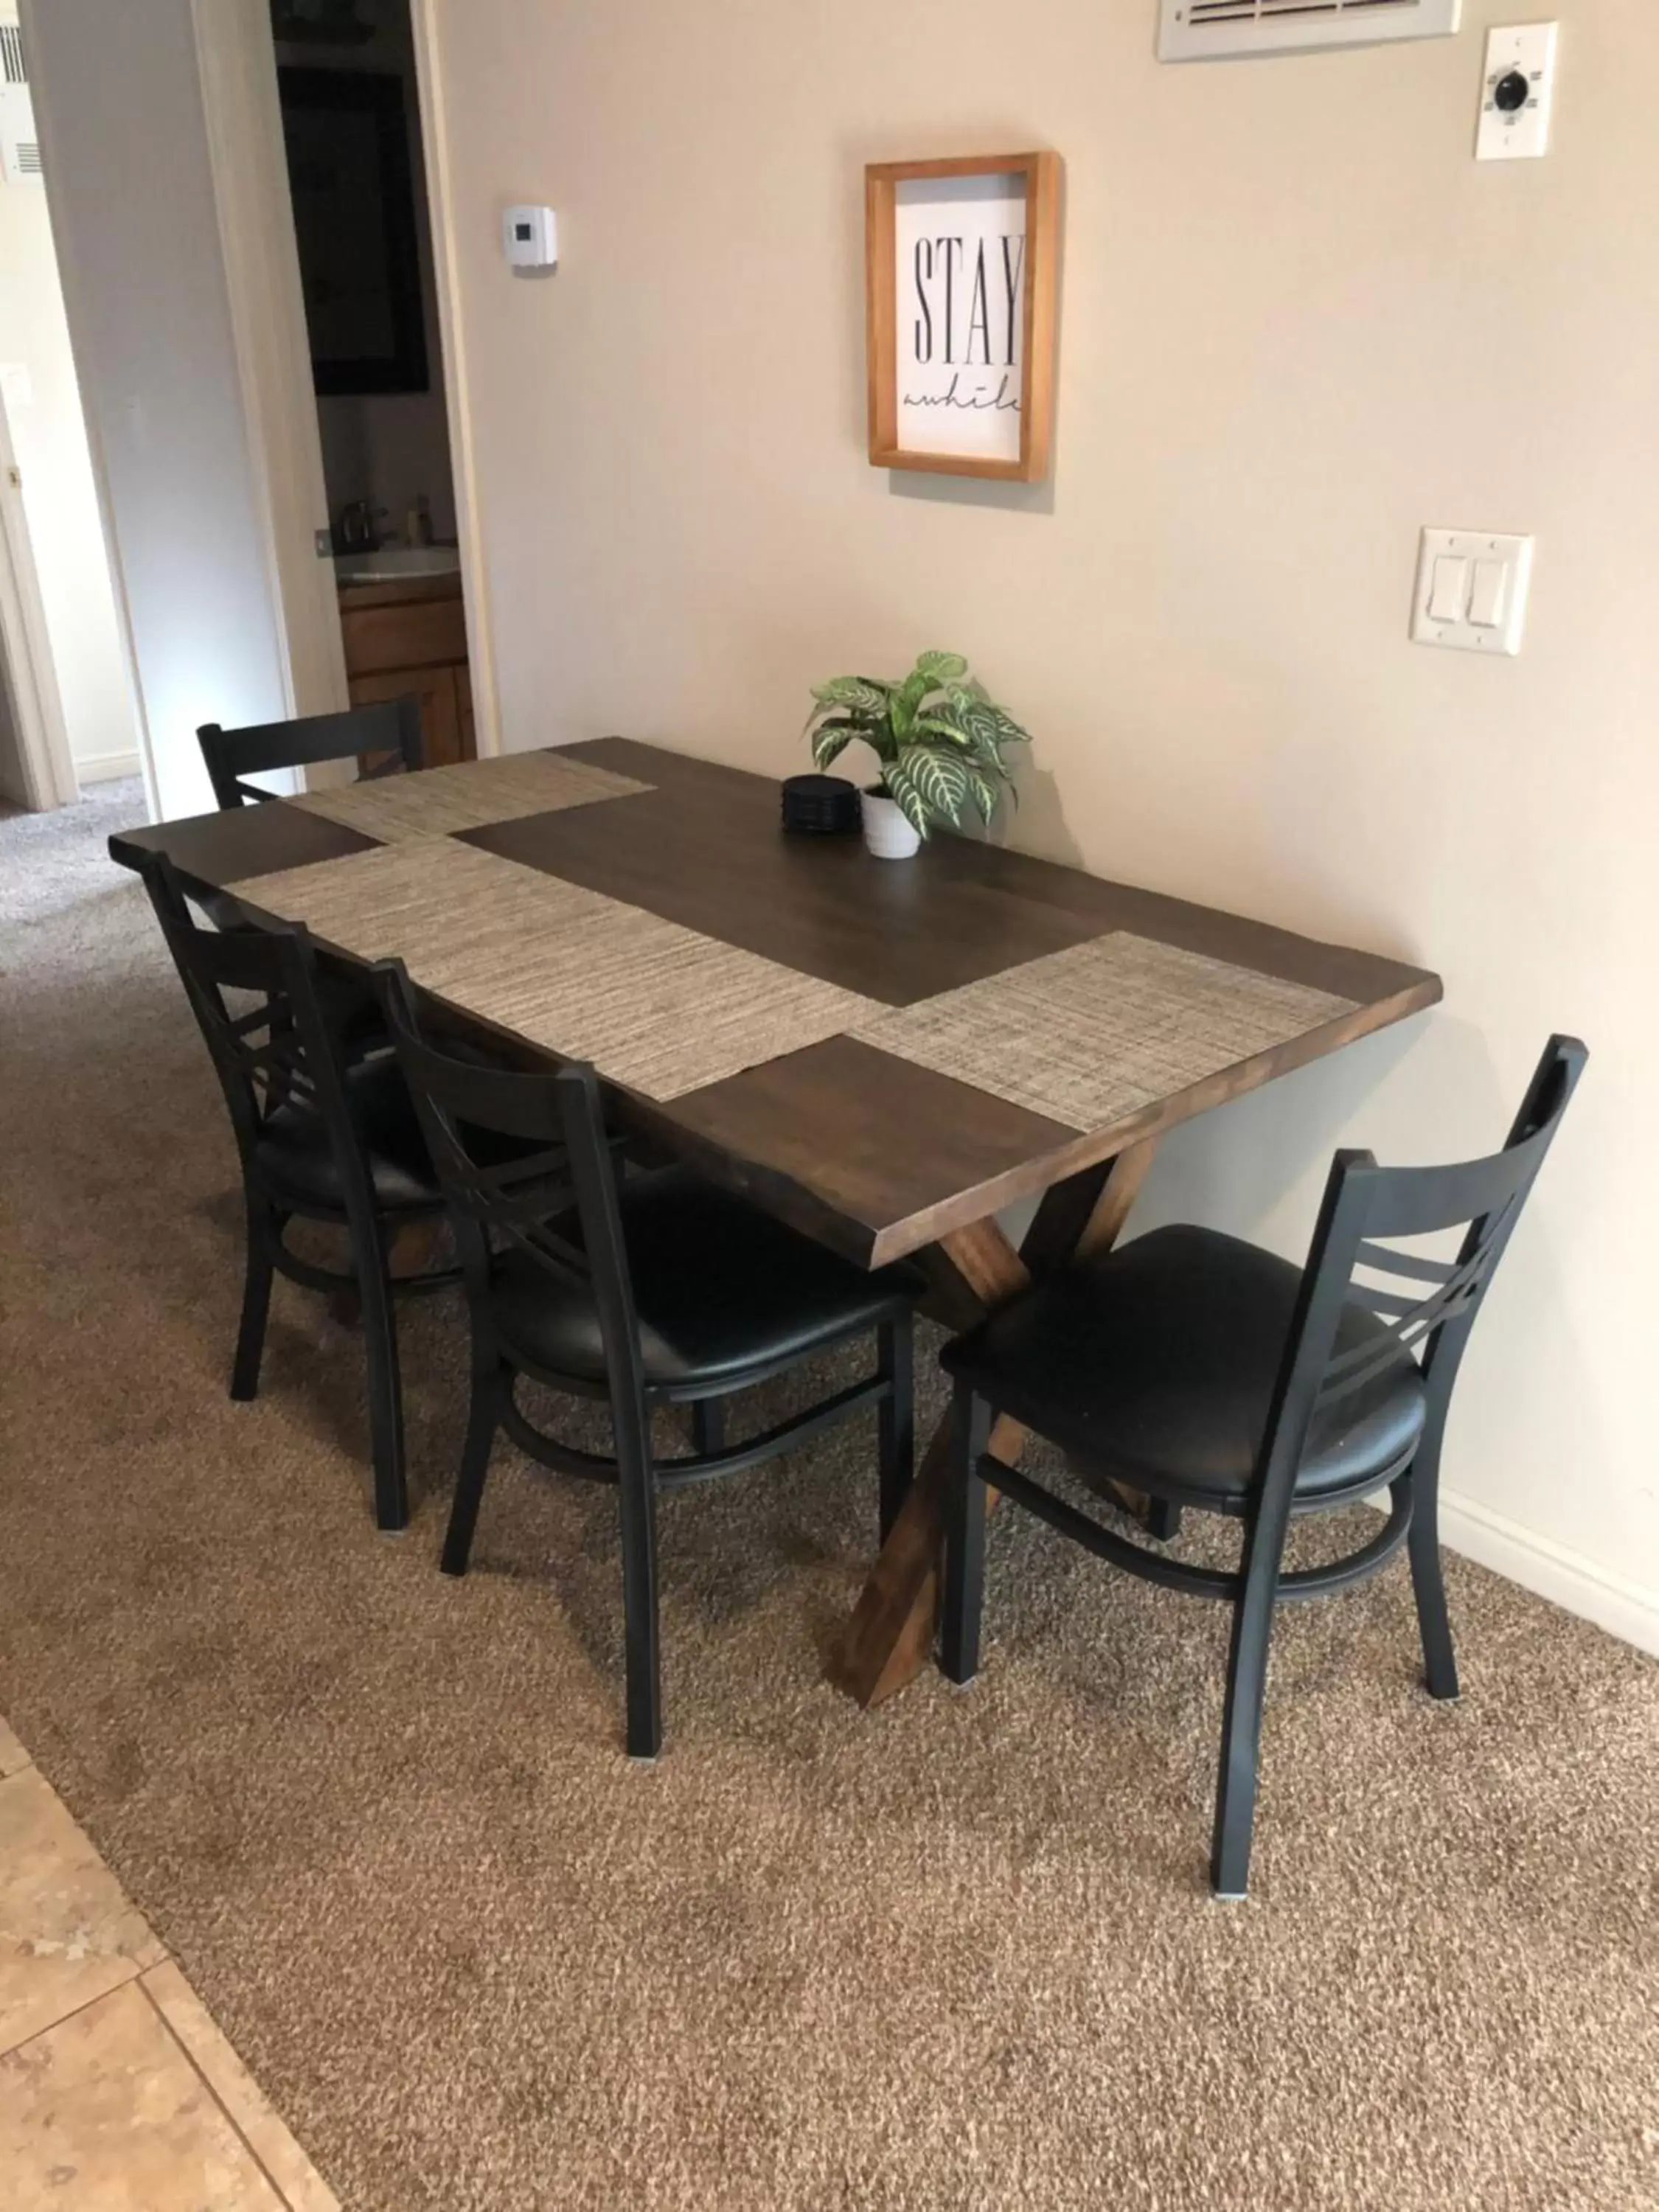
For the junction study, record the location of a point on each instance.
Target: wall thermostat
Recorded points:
(1518, 90)
(530, 236)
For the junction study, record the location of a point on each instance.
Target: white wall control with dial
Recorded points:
(1471, 591)
(1517, 91)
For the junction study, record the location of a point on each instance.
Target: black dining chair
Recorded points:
(384, 739)
(647, 1290)
(322, 1137)
(387, 736)
(1203, 1372)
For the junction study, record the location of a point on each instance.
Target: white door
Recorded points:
(36, 769)
(238, 65)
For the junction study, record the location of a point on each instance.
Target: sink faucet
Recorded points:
(356, 528)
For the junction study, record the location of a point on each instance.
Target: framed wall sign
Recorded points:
(961, 273)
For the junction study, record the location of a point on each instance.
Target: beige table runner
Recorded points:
(1091, 1034)
(660, 1008)
(1084, 1037)
(437, 801)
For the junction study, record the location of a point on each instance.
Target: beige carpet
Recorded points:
(955, 1954)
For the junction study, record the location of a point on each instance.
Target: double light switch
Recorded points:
(1471, 591)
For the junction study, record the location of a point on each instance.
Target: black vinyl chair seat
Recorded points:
(297, 1154)
(719, 1287)
(1155, 1367)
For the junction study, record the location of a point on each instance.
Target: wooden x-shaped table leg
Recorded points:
(889, 1637)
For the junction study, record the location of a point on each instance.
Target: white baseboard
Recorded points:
(104, 767)
(1567, 1579)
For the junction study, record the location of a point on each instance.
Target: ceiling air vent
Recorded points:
(20, 149)
(1206, 30)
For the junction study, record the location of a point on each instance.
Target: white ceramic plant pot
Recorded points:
(887, 832)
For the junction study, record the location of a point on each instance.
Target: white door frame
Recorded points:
(425, 16)
(237, 63)
(30, 673)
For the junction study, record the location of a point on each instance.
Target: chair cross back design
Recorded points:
(469, 1112)
(386, 736)
(1353, 1397)
(643, 1291)
(319, 1137)
(275, 1055)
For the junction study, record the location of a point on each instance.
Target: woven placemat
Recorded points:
(434, 802)
(1091, 1034)
(660, 1008)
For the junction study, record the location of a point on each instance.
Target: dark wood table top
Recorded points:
(875, 1154)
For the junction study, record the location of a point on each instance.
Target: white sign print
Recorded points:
(960, 300)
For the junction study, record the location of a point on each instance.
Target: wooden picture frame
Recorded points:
(905, 370)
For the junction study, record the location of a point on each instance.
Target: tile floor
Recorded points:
(117, 2093)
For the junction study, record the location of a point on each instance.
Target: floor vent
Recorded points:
(1207, 30)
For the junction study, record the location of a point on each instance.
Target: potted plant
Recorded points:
(939, 740)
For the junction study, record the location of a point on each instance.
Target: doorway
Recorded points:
(68, 716)
(353, 144)
(37, 769)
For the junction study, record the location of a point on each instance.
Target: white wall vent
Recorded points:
(20, 149)
(1205, 30)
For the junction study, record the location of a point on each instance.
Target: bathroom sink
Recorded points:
(394, 561)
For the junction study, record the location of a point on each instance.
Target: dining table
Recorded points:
(893, 1056)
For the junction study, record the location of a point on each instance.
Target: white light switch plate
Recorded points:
(1517, 92)
(1472, 590)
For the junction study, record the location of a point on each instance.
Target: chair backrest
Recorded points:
(280, 1052)
(387, 735)
(1428, 1305)
(522, 1159)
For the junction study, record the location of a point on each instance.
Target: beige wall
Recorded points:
(1299, 322)
(60, 497)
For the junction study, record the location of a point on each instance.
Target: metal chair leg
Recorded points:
(1428, 1583)
(483, 1416)
(385, 1399)
(637, 1494)
(964, 1537)
(1163, 1522)
(708, 1427)
(1241, 1718)
(896, 1432)
(265, 1229)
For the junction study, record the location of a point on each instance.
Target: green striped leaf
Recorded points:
(906, 701)
(830, 739)
(862, 694)
(902, 790)
(939, 723)
(984, 792)
(940, 775)
(981, 723)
